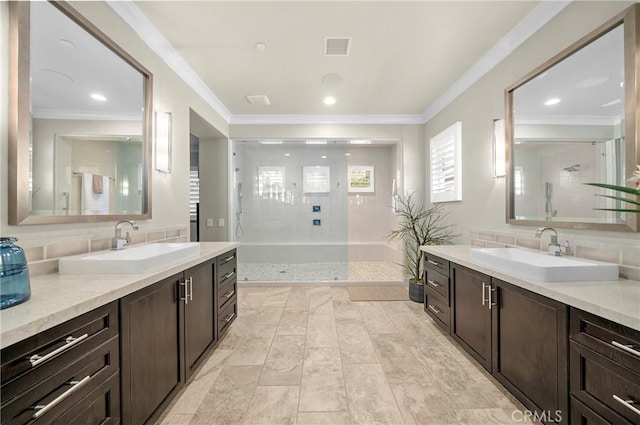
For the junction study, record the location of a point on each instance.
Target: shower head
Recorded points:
(573, 168)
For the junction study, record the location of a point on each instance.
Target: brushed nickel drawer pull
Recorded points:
(190, 288)
(435, 263)
(229, 317)
(434, 284)
(186, 291)
(628, 404)
(434, 309)
(229, 258)
(228, 275)
(491, 301)
(484, 286)
(75, 386)
(228, 294)
(627, 348)
(69, 342)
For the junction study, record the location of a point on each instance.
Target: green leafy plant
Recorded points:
(623, 190)
(419, 226)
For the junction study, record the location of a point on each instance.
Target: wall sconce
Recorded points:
(163, 142)
(499, 162)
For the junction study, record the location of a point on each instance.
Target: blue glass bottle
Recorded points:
(14, 274)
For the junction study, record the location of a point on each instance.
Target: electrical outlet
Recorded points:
(209, 222)
(221, 222)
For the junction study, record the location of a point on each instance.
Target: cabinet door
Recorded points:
(530, 349)
(150, 347)
(471, 325)
(199, 321)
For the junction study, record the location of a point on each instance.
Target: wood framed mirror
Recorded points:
(79, 121)
(575, 120)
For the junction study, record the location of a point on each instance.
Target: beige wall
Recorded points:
(170, 192)
(483, 204)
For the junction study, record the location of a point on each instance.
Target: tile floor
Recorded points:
(308, 355)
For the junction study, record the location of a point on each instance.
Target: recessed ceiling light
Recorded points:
(613, 102)
(287, 154)
(347, 154)
(271, 142)
(316, 142)
(621, 83)
(360, 142)
(552, 101)
(329, 100)
(98, 96)
(324, 156)
(261, 47)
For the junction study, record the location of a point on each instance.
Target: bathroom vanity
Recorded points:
(114, 349)
(569, 351)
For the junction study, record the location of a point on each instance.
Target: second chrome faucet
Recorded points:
(554, 247)
(118, 242)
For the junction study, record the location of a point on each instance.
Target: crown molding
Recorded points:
(529, 25)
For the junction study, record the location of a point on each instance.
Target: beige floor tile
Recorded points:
(346, 312)
(176, 419)
(321, 331)
(324, 393)
(398, 362)
(228, 400)
(321, 361)
(355, 344)
(339, 293)
(491, 417)
(321, 302)
(293, 322)
(375, 318)
(273, 405)
(277, 298)
(283, 365)
(253, 346)
(370, 398)
(323, 418)
(299, 298)
(268, 315)
(423, 403)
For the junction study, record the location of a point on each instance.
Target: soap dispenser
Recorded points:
(14, 274)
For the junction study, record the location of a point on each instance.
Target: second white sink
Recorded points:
(544, 267)
(133, 260)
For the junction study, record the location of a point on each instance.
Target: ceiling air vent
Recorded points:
(259, 100)
(337, 46)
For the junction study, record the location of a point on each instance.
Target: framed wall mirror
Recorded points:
(79, 121)
(575, 120)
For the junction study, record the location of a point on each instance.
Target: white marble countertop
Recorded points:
(57, 298)
(616, 300)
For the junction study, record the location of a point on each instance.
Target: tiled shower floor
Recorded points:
(352, 272)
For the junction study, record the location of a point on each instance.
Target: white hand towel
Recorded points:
(94, 203)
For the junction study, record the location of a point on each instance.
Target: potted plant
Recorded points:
(419, 226)
(634, 208)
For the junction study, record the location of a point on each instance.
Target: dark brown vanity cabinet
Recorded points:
(151, 345)
(518, 336)
(529, 349)
(471, 315)
(68, 374)
(436, 290)
(604, 370)
(199, 313)
(227, 286)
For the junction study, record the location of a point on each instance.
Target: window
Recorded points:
(446, 164)
(194, 193)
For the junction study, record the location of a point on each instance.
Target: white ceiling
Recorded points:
(404, 55)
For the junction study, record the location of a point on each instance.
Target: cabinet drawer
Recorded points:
(100, 407)
(227, 266)
(609, 388)
(437, 307)
(227, 316)
(436, 263)
(28, 362)
(437, 282)
(583, 415)
(64, 388)
(617, 342)
(226, 293)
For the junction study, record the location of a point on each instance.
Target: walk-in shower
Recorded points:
(315, 209)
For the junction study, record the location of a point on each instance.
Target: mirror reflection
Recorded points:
(88, 121)
(569, 127)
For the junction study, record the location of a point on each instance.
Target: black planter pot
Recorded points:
(416, 292)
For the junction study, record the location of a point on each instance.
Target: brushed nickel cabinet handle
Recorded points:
(491, 301)
(434, 284)
(484, 286)
(435, 263)
(190, 288)
(228, 294)
(229, 317)
(75, 386)
(69, 342)
(229, 258)
(627, 348)
(628, 404)
(186, 292)
(228, 275)
(434, 309)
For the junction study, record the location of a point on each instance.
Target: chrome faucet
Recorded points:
(118, 242)
(554, 246)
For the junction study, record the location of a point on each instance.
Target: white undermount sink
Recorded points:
(543, 267)
(132, 260)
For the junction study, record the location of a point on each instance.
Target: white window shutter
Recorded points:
(445, 162)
